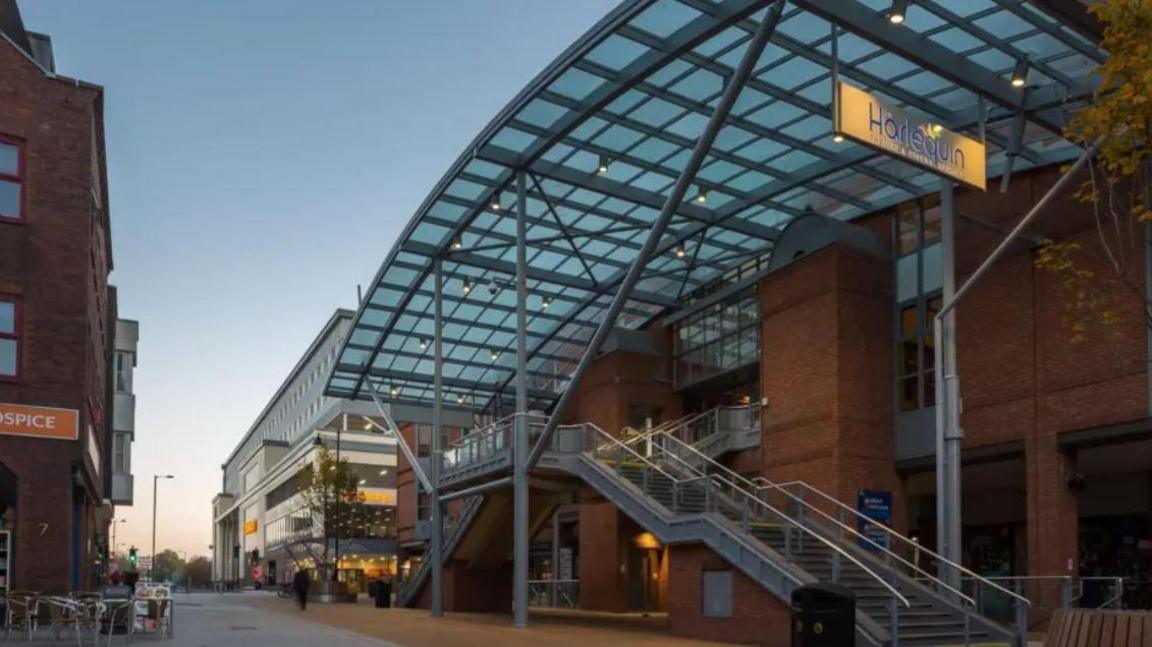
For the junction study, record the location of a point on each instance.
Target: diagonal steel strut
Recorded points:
(731, 92)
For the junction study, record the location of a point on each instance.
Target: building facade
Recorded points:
(705, 287)
(58, 319)
(264, 530)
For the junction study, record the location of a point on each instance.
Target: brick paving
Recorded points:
(415, 628)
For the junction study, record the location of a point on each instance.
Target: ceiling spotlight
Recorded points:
(545, 302)
(423, 343)
(362, 482)
(602, 166)
(493, 287)
(495, 203)
(702, 197)
(495, 354)
(467, 286)
(395, 391)
(367, 425)
(898, 12)
(680, 253)
(1020, 73)
(383, 471)
(460, 399)
(838, 138)
(457, 243)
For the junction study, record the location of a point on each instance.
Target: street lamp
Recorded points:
(155, 478)
(114, 522)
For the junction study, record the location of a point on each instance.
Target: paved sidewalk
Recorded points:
(415, 628)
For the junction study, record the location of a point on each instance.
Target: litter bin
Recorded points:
(383, 594)
(823, 615)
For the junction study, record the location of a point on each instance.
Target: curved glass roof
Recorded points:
(634, 94)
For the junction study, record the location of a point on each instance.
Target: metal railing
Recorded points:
(724, 496)
(555, 594)
(908, 565)
(487, 442)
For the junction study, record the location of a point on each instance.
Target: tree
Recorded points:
(198, 570)
(167, 566)
(1119, 186)
(330, 491)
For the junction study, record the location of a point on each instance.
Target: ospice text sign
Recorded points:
(39, 422)
(869, 120)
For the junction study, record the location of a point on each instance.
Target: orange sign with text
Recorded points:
(250, 527)
(39, 422)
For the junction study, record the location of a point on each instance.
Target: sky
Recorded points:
(263, 156)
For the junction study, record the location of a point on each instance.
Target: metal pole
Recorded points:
(336, 549)
(152, 563)
(949, 436)
(671, 206)
(555, 556)
(437, 519)
(520, 438)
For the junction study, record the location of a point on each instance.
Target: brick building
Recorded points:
(58, 324)
(761, 410)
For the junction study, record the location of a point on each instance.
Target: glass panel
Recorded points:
(7, 357)
(9, 159)
(906, 217)
(906, 278)
(908, 321)
(929, 389)
(910, 360)
(7, 317)
(933, 267)
(908, 399)
(931, 207)
(9, 199)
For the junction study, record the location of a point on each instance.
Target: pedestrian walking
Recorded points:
(300, 582)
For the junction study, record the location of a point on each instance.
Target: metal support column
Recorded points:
(436, 507)
(555, 557)
(949, 436)
(520, 437)
(671, 206)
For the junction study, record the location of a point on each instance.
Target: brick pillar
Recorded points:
(602, 586)
(1053, 519)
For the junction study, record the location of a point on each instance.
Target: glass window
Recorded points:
(907, 279)
(11, 179)
(931, 206)
(908, 239)
(909, 322)
(9, 338)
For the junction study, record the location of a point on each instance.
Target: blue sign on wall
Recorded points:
(877, 506)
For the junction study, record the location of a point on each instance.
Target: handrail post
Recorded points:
(893, 621)
(1066, 592)
(1021, 623)
(675, 497)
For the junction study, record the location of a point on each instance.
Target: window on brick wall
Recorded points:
(11, 179)
(918, 281)
(9, 337)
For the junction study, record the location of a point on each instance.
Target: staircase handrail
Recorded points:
(964, 571)
(612, 440)
(770, 508)
(836, 522)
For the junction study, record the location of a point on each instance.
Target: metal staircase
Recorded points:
(782, 539)
(407, 589)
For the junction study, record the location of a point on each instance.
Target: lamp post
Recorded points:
(114, 522)
(155, 478)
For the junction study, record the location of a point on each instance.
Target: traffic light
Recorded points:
(132, 557)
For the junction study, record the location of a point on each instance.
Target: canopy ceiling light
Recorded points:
(898, 12)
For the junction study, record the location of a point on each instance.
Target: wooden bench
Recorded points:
(1095, 628)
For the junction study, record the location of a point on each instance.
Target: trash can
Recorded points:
(383, 594)
(823, 615)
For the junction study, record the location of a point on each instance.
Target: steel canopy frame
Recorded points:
(687, 176)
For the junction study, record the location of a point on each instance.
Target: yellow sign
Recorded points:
(382, 497)
(250, 527)
(868, 120)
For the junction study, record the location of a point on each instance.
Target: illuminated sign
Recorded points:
(250, 527)
(40, 422)
(870, 121)
(379, 497)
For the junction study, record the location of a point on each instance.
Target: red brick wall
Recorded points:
(758, 617)
(826, 357)
(57, 263)
(473, 589)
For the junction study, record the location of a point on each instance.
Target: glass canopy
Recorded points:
(604, 131)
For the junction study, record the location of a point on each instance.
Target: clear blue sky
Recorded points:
(263, 155)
